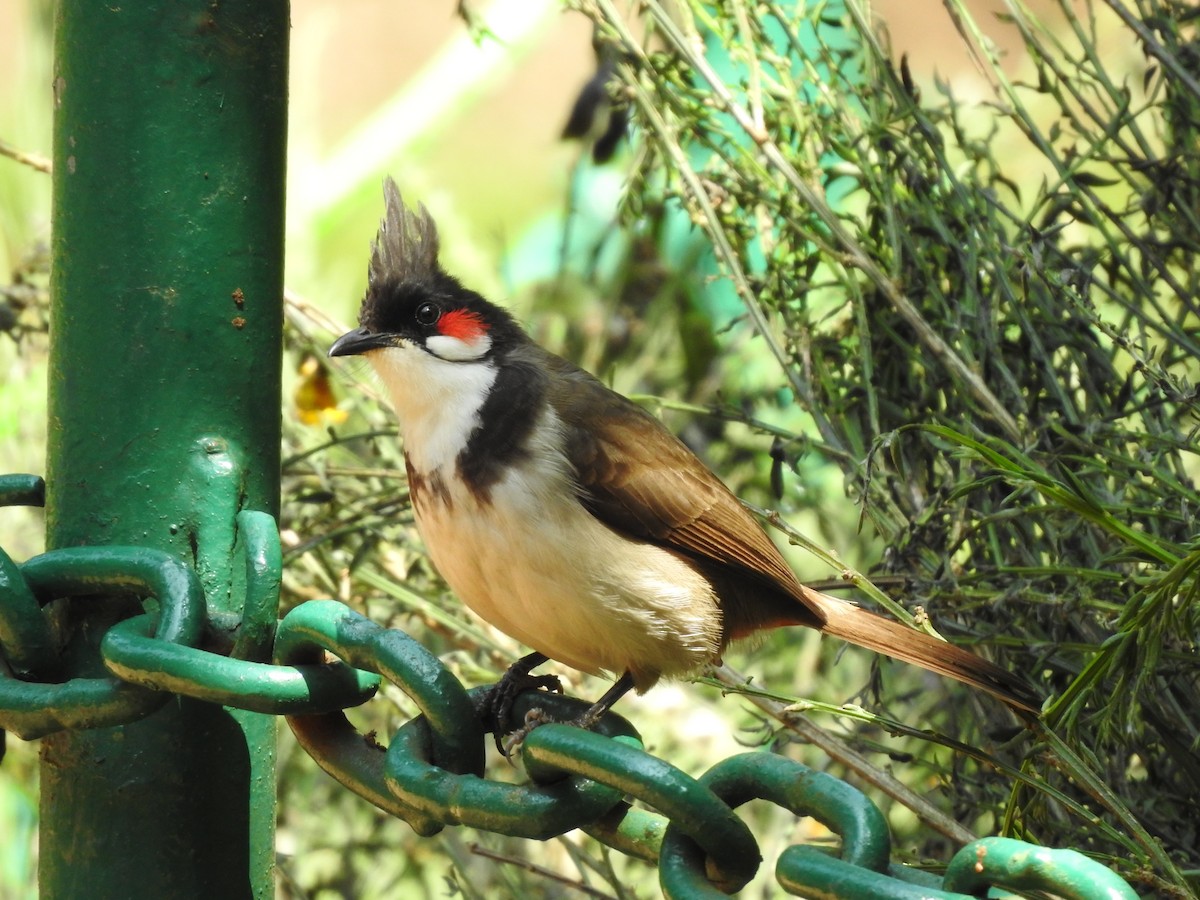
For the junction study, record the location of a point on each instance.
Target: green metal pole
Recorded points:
(169, 142)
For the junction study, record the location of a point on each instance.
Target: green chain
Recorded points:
(431, 773)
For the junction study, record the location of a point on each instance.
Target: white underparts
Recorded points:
(534, 563)
(528, 557)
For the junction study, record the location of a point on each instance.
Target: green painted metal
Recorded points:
(629, 830)
(809, 872)
(155, 651)
(536, 811)
(992, 866)
(257, 580)
(806, 792)
(22, 490)
(135, 655)
(691, 806)
(32, 709)
(169, 137)
(328, 625)
(25, 638)
(430, 775)
(1016, 865)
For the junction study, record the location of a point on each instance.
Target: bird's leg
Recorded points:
(596, 711)
(497, 705)
(594, 714)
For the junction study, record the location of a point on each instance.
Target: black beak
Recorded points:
(358, 341)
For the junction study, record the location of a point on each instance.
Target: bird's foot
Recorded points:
(587, 721)
(496, 710)
(512, 742)
(538, 716)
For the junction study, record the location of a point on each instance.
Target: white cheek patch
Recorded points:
(455, 349)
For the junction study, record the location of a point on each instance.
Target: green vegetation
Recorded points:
(1000, 358)
(975, 372)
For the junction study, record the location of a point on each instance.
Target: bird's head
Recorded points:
(412, 305)
(432, 341)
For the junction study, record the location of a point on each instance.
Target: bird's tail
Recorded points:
(865, 629)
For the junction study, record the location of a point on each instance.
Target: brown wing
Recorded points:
(640, 479)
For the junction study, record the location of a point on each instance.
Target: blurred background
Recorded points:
(470, 125)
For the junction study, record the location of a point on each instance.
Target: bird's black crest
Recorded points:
(404, 273)
(406, 248)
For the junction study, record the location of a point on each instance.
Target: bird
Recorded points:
(568, 516)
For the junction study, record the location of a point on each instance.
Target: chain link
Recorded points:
(150, 656)
(25, 635)
(430, 776)
(431, 773)
(33, 709)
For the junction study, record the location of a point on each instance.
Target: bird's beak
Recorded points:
(358, 341)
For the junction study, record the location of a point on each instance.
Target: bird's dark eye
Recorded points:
(428, 313)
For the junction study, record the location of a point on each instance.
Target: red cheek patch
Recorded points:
(463, 324)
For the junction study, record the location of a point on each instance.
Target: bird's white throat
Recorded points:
(437, 401)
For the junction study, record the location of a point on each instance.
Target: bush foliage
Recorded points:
(995, 331)
(976, 320)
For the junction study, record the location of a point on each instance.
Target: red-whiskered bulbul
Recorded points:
(566, 515)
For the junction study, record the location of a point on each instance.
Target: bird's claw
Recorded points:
(498, 706)
(508, 690)
(538, 716)
(535, 717)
